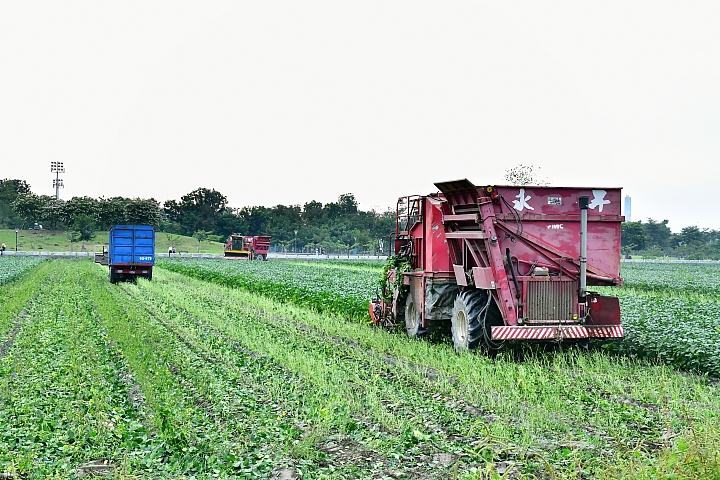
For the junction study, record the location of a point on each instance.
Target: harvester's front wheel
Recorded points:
(468, 329)
(412, 318)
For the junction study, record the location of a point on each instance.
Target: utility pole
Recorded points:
(57, 168)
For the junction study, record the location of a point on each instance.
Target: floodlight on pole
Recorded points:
(57, 168)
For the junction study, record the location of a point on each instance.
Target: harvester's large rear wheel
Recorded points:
(468, 329)
(412, 317)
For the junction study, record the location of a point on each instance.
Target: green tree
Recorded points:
(83, 227)
(214, 238)
(692, 236)
(53, 213)
(197, 210)
(111, 212)
(257, 219)
(77, 206)
(140, 211)
(658, 233)
(633, 236)
(29, 207)
(348, 204)
(312, 213)
(201, 236)
(9, 191)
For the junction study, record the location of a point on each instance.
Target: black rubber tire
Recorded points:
(466, 323)
(413, 317)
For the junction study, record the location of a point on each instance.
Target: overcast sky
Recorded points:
(286, 102)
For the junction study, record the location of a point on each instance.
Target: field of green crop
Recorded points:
(197, 375)
(343, 288)
(11, 267)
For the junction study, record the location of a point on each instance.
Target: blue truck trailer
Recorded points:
(130, 252)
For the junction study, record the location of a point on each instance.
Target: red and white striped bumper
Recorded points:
(556, 332)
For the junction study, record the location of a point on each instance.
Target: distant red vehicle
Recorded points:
(247, 247)
(505, 264)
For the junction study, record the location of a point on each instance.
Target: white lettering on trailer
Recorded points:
(522, 202)
(598, 200)
(142, 259)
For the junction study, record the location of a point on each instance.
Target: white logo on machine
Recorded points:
(522, 202)
(557, 226)
(598, 200)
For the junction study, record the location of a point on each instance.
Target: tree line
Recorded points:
(655, 239)
(203, 213)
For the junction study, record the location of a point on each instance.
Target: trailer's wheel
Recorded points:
(467, 323)
(412, 318)
(112, 277)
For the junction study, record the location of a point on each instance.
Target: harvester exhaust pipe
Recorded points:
(583, 202)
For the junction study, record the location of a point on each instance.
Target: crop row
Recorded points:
(676, 328)
(670, 312)
(15, 299)
(673, 278)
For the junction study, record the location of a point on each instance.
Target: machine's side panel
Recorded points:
(549, 217)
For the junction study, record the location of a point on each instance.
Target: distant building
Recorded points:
(628, 208)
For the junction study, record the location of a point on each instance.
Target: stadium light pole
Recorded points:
(57, 168)
(16, 236)
(295, 246)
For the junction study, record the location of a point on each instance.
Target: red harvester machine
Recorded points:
(505, 263)
(247, 247)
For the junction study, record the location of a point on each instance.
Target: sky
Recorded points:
(287, 102)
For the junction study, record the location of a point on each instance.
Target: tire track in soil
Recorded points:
(134, 392)
(15, 330)
(456, 405)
